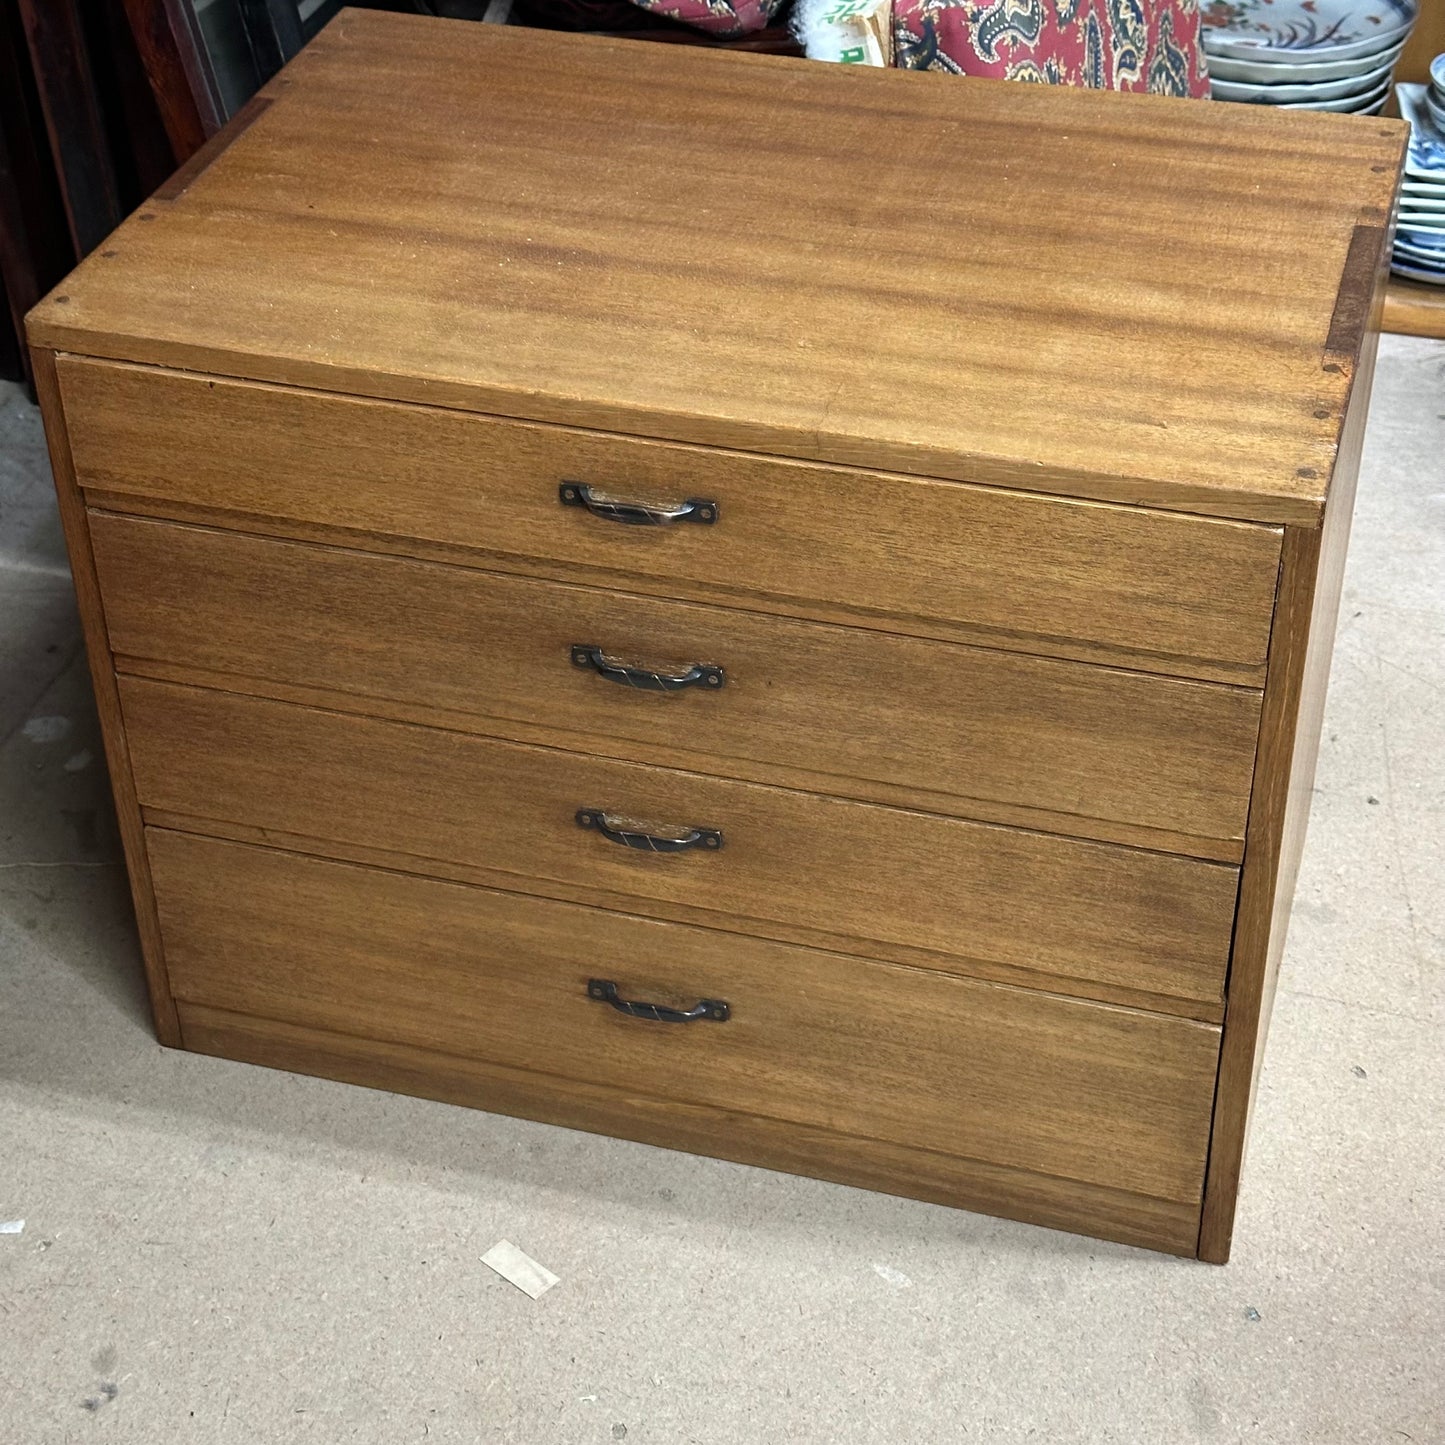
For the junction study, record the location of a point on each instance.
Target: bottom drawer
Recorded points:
(1031, 1082)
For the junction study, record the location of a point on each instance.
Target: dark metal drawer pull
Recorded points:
(649, 842)
(707, 1008)
(637, 514)
(700, 674)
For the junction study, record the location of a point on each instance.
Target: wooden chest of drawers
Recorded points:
(758, 607)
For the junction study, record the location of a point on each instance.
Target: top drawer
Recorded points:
(1156, 590)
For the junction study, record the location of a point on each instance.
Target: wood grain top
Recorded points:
(1114, 296)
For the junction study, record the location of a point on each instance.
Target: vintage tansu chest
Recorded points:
(762, 607)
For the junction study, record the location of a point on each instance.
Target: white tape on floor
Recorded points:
(518, 1268)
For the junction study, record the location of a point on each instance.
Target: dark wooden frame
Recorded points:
(35, 245)
(181, 77)
(68, 99)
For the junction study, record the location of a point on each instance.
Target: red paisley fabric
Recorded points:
(1148, 45)
(717, 17)
(1104, 44)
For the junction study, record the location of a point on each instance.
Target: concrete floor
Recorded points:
(217, 1253)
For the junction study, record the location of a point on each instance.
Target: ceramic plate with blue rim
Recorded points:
(1416, 238)
(1413, 273)
(1369, 103)
(1422, 241)
(1298, 72)
(1304, 29)
(1312, 90)
(1420, 263)
(1428, 245)
(1428, 255)
(1437, 73)
(1423, 253)
(1279, 94)
(1426, 156)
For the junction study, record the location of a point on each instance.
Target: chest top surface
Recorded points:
(1122, 297)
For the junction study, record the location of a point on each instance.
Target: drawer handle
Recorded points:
(637, 514)
(707, 1008)
(649, 842)
(700, 674)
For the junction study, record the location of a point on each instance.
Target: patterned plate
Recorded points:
(1275, 67)
(1426, 157)
(1432, 245)
(1305, 29)
(1316, 90)
(1435, 278)
(1427, 255)
(1422, 260)
(1366, 104)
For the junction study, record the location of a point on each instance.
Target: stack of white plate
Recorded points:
(1420, 226)
(1306, 54)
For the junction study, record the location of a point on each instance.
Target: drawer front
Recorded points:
(1102, 1095)
(853, 875)
(973, 730)
(1173, 593)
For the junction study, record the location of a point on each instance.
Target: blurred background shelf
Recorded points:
(1414, 309)
(1427, 40)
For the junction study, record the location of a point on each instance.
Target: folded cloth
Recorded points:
(1148, 45)
(717, 17)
